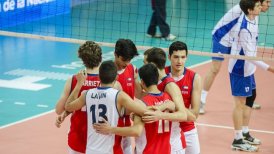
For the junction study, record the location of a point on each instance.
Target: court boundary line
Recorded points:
(26, 119)
(228, 127)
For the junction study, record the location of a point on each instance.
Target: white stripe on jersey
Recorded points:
(101, 103)
(245, 44)
(224, 31)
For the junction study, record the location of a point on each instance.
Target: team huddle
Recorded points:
(109, 102)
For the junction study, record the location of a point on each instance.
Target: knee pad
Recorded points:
(250, 100)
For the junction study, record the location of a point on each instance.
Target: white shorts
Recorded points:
(182, 151)
(192, 142)
(127, 145)
(71, 151)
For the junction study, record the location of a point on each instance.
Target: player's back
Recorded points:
(101, 104)
(77, 136)
(155, 138)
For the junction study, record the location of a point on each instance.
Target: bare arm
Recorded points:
(196, 95)
(271, 69)
(117, 85)
(135, 130)
(60, 105)
(138, 91)
(72, 102)
(81, 77)
(180, 111)
(76, 104)
(123, 100)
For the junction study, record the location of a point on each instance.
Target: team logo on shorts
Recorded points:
(246, 89)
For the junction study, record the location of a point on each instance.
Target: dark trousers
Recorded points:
(158, 18)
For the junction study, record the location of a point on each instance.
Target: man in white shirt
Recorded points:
(242, 79)
(222, 36)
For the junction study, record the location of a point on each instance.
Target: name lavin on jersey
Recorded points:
(98, 95)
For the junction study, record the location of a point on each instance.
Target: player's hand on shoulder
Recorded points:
(81, 77)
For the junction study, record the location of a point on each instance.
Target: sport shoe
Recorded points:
(170, 37)
(202, 108)
(251, 140)
(154, 36)
(242, 146)
(256, 106)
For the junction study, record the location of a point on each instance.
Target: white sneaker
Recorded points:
(242, 146)
(256, 106)
(170, 37)
(154, 36)
(202, 108)
(251, 140)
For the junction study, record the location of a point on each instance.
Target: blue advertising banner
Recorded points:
(14, 12)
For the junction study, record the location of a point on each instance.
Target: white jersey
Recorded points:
(224, 31)
(101, 103)
(246, 45)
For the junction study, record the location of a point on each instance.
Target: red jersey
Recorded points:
(77, 136)
(155, 137)
(175, 128)
(185, 84)
(164, 81)
(127, 81)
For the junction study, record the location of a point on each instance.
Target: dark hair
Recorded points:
(149, 74)
(178, 45)
(158, 57)
(248, 4)
(126, 49)
(262, 1)
(148, 51)
(107, 72)
(90, 53)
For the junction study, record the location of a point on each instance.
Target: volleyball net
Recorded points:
(105, 21)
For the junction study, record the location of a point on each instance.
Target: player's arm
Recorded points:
(81, 77)
(71, 103)
(196, 95)
(250, 48)
(176, 95)
(138, 91)
(178, 115)
(60, 118)
(77, 103)
(160, 112)
(264, 66)
(167, 106)
(60, 105)
(118, 86)
(124, 100)
(135, 130)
